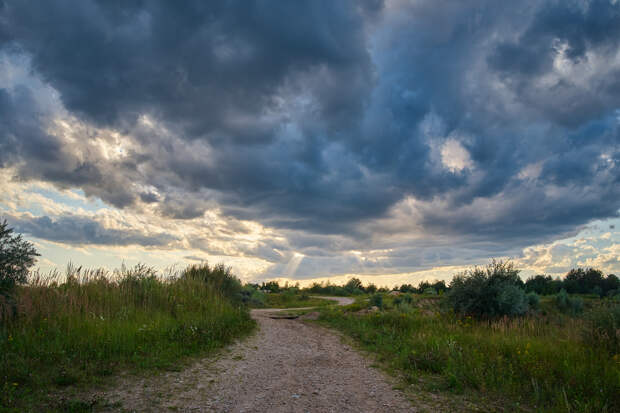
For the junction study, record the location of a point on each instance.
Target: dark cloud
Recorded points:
(20, 132)
(74, 229)
(205, 66)
(26, 144)
(572, 29)
(319, 117)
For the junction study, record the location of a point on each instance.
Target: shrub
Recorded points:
(567, 304)
(252, 296)
(533, 300)
(405, 307)
(511, 300)
(493, 291)
(613, 293)
(429, 291)
(376, 300)
(604, 328)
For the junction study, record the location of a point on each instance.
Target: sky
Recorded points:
(396, 141)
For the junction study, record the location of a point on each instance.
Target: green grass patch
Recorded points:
(88, 328)
(298, 300)
(541, 361)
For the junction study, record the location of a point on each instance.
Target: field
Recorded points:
(284, 300)
(548, 361)
(95, 324)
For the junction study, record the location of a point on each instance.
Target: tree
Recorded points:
(440, 286)
(543, 285)
(17, 256)
(582, 281)
(354, 286)
(271, 286)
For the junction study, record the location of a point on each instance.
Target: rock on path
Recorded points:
(288, 366)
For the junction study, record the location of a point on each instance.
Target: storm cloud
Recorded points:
(489, 123)
(81, 230)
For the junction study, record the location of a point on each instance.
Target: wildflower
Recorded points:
(15, 384)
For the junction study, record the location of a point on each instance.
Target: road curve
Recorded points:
(340, 300)
(264, 311)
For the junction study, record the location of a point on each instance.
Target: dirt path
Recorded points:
(288, 366)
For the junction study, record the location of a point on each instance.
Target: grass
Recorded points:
(96, 324)
(292, 300)
(539, 361)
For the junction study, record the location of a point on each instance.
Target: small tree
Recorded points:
(17, 256)
(354, 286)
(371, 288)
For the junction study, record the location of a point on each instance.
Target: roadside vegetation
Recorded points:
(544, 344)
(487, 335)
(76, 328)
(271, 295)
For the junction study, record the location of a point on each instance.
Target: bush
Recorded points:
(604, 328)
(511, 300)
(252, 296)
(569, 305)
(533, 300)
(429, 291)
(376, 300)
(493, 291)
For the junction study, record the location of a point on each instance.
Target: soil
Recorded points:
(289, 365)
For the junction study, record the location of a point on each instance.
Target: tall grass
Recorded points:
(540, 361)
(91, 323)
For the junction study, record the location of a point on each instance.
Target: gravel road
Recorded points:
(287, 366)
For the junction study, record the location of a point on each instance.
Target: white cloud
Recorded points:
(455, 157)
